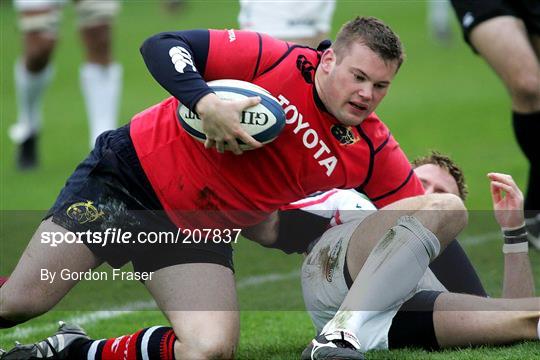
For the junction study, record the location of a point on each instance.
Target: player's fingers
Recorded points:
(249, 140)
(209, 143)
(508, 180)
(233, 145)
(249, 102)
(220, 147)
(504, 178)
(495, 193)
(502, 186)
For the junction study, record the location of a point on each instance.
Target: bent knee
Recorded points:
(38, 51)
(451, 210)
(19, 307)
(445, 202)
(525, 90)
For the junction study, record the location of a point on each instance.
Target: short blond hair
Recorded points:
(446, 163)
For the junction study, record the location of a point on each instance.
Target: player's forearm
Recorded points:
(264, 233)
(518, 277)
(177, 61)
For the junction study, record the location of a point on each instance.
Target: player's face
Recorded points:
(353, 87)
(435, 179)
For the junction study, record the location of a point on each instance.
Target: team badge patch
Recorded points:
(344, 134)
(84, 212)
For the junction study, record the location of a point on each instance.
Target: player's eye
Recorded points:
(359, 77)
(381, 86)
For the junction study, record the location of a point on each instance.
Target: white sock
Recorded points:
(389, 276)
(29, 90)
(538, 329)
(101, 87)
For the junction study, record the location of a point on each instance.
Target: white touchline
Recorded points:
(481, 238)
(91, 317)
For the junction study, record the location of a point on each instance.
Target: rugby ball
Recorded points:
(263, 121)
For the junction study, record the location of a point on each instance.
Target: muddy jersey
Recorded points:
(313, 153)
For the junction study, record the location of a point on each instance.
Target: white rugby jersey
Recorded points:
(341, 206)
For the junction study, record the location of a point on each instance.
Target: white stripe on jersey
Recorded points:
(340, 205)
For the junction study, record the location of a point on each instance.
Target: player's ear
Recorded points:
(328, 60)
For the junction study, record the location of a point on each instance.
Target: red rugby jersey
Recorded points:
(313, 153)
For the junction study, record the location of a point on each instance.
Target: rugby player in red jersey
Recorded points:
(332, 140)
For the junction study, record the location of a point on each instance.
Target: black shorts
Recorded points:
(109, 194)
(471, 13)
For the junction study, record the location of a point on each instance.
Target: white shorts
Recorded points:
(287, 19)
(89, 13)
(324, 286)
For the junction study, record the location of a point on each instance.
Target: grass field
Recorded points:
(444, 98)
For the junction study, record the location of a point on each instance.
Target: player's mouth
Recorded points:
(358, 106)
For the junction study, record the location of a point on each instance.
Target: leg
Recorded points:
(465, 280)
(406, 249)
(535, 41)
(25, 295)
(200, 302)
(532, 201)
(464, 320)
(100, 76)
(493, 39)
(443, 214)
(497, 37)
(32, 76)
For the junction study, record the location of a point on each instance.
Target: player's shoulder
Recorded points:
(243, 37)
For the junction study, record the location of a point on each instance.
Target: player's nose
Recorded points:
(365, 91)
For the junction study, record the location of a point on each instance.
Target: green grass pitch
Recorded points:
(444, 98)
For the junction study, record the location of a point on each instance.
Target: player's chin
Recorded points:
(352, 119)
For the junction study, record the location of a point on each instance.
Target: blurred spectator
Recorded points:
(100, 76)
(301, 22)
(439, 20)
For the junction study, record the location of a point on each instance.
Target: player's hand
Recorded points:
(507, 200)
(221, 122)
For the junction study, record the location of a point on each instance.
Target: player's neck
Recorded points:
(318, 81)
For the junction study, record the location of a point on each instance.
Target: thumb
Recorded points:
(250, 101)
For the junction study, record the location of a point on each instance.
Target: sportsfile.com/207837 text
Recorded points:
(119, 236)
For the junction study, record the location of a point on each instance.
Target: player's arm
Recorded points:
(290, 231)
(301, 222)
(265, 232)
(508, 208)
(178, 62)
